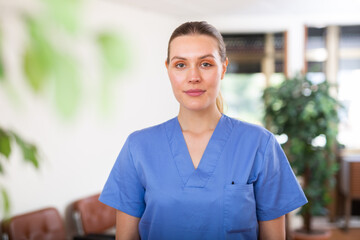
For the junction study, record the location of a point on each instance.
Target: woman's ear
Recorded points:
(224, 67)
(166, 64)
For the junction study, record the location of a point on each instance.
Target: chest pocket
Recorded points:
(239, 208)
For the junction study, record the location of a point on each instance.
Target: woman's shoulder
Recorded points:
(248, 128)
(253, 135)
(151, 132)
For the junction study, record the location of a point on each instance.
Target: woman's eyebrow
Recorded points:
(177, 57)
(207, 55)
(202, 57)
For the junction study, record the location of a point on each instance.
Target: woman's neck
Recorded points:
(198, 121)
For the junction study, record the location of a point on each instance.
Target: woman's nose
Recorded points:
(194, 75)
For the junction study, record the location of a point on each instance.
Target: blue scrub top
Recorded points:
(243, 177)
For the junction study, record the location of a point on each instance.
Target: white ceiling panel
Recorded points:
(216, 8)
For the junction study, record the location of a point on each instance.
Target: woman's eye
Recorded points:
(206, 64)
(180, 65)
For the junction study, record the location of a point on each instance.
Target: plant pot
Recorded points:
(315, 235)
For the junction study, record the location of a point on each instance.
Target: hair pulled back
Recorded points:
(201, 28)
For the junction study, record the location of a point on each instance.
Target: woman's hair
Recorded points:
(201, 28)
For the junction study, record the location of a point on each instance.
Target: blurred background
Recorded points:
(77, 76)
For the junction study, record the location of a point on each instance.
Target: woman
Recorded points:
(202, 174)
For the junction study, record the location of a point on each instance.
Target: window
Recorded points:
(316, 54)
(255, 62)
(349, 85)
(333, 53)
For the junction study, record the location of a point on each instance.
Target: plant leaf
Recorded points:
(114, 53)
(67, 84)
(5, 201)
(29, 151)
(5, 146)
(65, 13)
(34, 71)
(1, 68)
(38, 56)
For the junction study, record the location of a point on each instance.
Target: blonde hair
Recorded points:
(202, 28)
(220, 103)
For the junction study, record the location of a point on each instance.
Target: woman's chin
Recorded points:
(198, 107)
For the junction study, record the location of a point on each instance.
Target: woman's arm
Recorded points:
(272, 229)
(126, 226)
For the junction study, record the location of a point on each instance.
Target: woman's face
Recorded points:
(195, 71)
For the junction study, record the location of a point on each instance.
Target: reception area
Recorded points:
(79, 80)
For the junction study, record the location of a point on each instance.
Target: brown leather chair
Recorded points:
(44, 224)
(93, 218)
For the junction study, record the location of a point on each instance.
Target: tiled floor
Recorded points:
(351, 234)
(337, 232)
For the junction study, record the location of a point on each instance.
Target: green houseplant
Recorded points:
(305, 113)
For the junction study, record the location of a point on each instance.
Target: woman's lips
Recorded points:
(194, 92)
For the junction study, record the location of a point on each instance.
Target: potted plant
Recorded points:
(305, 115)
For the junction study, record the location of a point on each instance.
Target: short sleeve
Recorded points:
(277, 190)
(123, 189)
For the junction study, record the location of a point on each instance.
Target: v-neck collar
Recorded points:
(198, 177)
